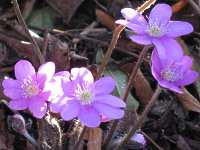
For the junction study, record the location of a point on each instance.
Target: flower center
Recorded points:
(157, 28)
(86, 97)
(155, 31)
(30, 88)
(172, 73)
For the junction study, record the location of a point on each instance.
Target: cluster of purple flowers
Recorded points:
(73, 94)
(170, 67)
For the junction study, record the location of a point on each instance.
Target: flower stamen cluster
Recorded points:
(172, 73)
(30, 88)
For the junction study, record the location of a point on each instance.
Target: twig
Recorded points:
(117, 48)
(80, 138)
(45, 43)
(88, 28)
(6, 69)
(128, 87)
(152, 141)
(109, 51)
(22, 22)
(134, 71)
(28, 8)
(194, 6)
(100, 5)
(103, 43)
(142, 118)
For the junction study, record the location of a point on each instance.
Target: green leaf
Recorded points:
(121, 79)
(42, 18)
(99, 55)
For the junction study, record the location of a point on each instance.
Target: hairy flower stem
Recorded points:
(116, 35)
(141, 120)
(22, 22)
(112, 45)
(76, 147)
(125, 96)
(30, 139)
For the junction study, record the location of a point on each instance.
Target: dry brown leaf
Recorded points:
(142, 88)
(94, 137)
(105, 19)
(179, 5)
(128, 45)
(66, 8)
(189, 101)
(2, 142)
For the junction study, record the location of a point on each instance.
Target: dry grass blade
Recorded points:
(189, 101)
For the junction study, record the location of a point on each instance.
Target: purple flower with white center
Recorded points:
(29, 90)
(159, 30)
(88, 100)
(174, 72)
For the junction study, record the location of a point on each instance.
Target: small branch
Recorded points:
(142, 118)
(128, 87)
(22, 22)
(76, 147)
(194, 6)
(91, 39)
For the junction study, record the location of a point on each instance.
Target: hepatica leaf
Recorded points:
(42, 18)
(121, 82)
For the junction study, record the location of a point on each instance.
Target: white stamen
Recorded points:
(172, 73)
(156, 29)
(29, 88)
(84, 94)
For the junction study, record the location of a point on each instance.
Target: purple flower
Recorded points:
(88, 100)
(173, 72)
(29, 90)
(139, 138)
(159, 30)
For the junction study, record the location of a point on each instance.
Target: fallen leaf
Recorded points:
(42, 18)
(189, 101)
(2, 143)
(179, 5)
(182, 144)
(105, 19)
(142, 87)
(66, 8)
